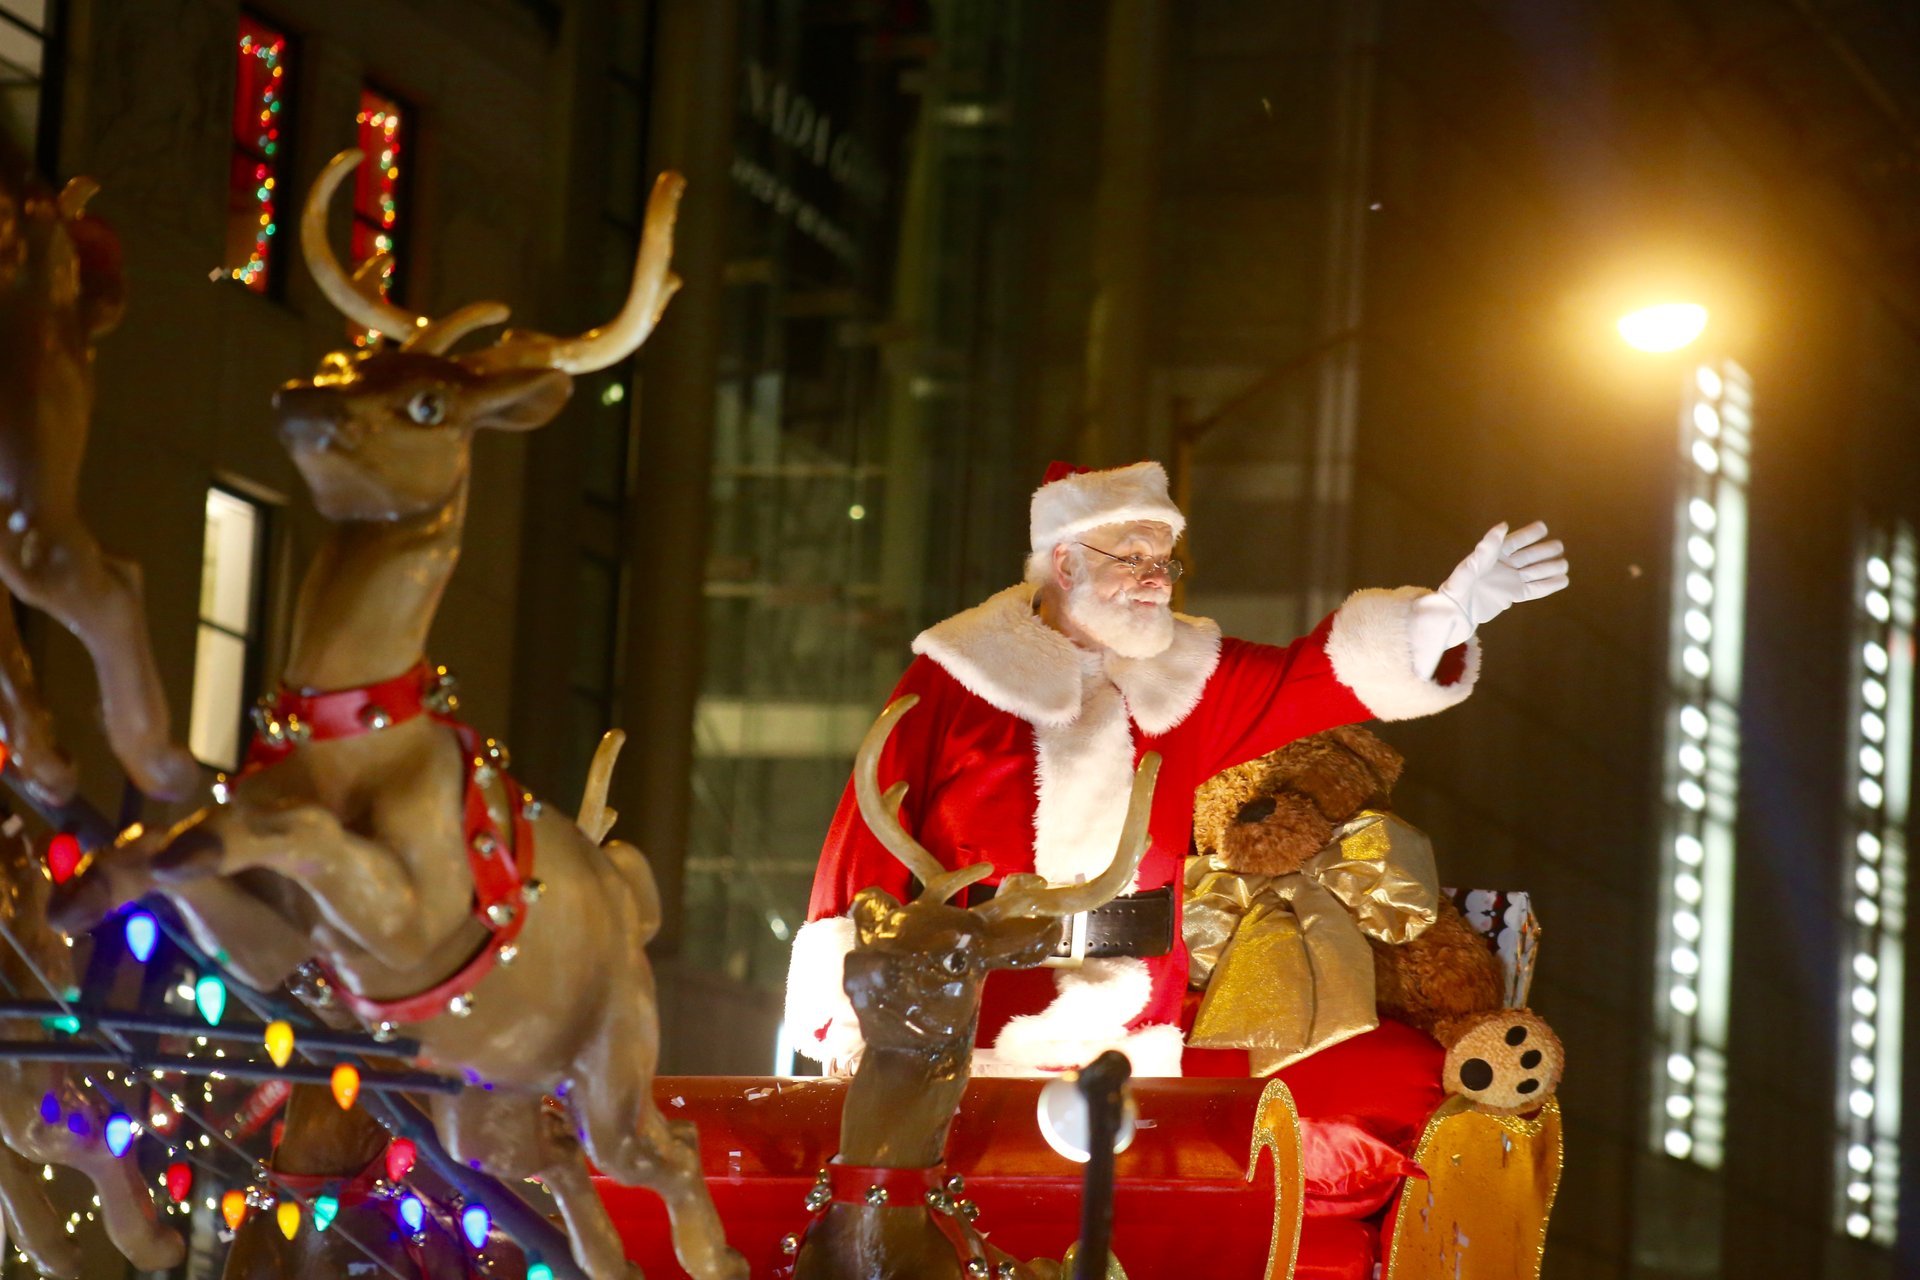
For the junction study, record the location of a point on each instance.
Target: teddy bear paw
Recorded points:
(1508, 1063)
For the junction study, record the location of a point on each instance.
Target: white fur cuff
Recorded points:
(1372, 654)
(820, 1019)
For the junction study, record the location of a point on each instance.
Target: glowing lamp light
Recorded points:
(287, 1214)
(400, 1157)
(179, 1180)
(539, 1271)
(50, 1108)
(346, 1085)
(1666, 326)
(412, 1213)
(279, 1038)
(119, 1134)
(325, 1210)
(63, 857)
(233, 1207)
(475, 1222)
(210, 994)
(142, 935)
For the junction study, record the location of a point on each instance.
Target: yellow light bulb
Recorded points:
(346, 1085)
(279, 1039)
(288, 1216)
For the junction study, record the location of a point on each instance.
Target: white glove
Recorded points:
(1504, 569)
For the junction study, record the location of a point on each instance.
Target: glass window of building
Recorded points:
(260, 126)
(227, 652)
(379, 225)
(23, 51)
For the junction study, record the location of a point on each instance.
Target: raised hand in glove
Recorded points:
(1504, 569)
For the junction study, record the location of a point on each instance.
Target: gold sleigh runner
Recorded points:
(1284, 959)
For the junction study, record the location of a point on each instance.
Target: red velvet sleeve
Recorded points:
(852, 858)
(1262, 697)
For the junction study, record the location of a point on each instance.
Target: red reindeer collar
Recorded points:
(899, 1188)
(502, 870)
(349, 1191)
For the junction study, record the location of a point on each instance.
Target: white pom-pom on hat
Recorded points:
(1074, 500)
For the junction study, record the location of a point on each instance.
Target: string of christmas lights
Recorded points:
(259, 97)
(265, 1189)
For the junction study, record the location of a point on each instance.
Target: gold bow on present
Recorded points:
(1284, 959)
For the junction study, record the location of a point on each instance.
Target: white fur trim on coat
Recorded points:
(1001, 651)
(817, 994)
(1372, 655)
(1091, 1014)
(1082, 771)
(1122, 495)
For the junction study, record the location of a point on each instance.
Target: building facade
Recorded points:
(1351, 270)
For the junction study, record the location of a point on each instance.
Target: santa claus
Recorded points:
(1034, 708)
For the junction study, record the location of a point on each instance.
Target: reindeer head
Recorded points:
(61, 288)
(915, 977)
(387, 432)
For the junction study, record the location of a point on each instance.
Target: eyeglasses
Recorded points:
(1141, 566)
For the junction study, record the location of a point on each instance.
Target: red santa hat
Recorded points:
(1074, 499)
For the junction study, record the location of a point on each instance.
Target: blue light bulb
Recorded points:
(413, 1213)
(474, 1223)
(142, 934)
(119, 1134)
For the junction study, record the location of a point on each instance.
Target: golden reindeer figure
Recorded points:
(375, 832)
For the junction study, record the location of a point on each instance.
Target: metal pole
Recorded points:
(1103, 1083)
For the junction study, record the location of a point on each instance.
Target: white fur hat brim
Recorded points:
(1073, 504)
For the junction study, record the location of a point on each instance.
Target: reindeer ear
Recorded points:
(519, 399)
(873, 911)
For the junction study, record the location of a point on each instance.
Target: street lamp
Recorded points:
(1666, 326)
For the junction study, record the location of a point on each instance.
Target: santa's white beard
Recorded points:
(1122, 624)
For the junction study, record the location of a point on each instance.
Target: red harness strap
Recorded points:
(349, 1191)
(502, 869)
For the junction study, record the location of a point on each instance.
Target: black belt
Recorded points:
(1134, 924)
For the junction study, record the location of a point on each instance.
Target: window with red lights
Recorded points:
(377, 188)
(259, 125)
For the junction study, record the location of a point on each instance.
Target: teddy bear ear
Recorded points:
(1385, 762)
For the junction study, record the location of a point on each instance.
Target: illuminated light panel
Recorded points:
(1667, 326)
(1706, 652)
(1869, 1043)
(254, 170)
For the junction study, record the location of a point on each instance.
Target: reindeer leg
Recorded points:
(36, 1226)
(24, 720)
(54, 564)
(357, 886)
(262, 947)
(629, 1139)
(513, 1136)
(126, 1208)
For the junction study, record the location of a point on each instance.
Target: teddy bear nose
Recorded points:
(1256, 810)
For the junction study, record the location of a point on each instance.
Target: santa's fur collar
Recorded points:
(1002, 652)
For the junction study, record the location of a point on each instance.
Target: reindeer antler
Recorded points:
(362, 307)
(1031, 895)
(882, 813)
(654, 285)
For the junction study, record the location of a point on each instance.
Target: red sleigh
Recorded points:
(1373, 1163)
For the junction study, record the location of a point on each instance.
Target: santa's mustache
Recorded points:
(1150, 597)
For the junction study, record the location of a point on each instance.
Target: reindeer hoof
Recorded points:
(1509, 1064)
(169, 775)
(81, 904)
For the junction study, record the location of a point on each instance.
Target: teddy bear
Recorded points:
(1270, 817)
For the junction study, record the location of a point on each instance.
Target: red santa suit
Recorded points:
(1020, 753)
